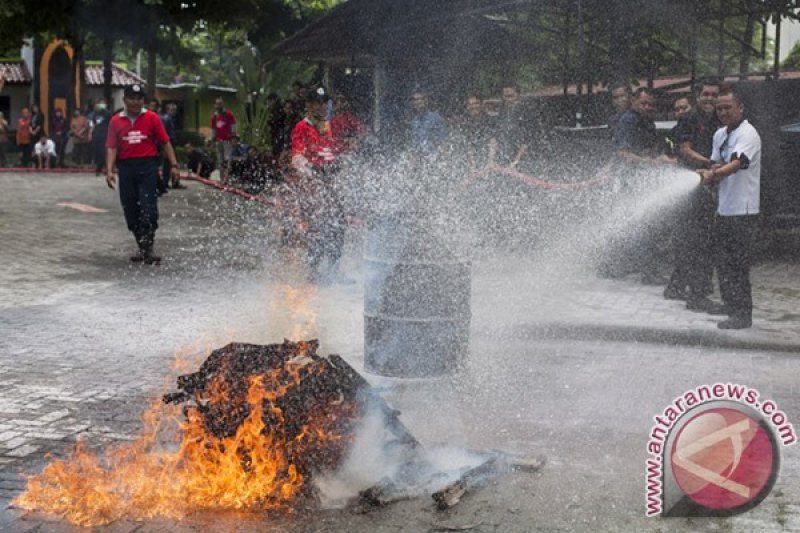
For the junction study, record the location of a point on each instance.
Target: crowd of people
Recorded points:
(311, 131)
(714, 138)
(81, 136)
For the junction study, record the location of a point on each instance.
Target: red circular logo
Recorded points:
(724, 458)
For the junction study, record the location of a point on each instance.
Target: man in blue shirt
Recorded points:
(636, 138)
(427, 129)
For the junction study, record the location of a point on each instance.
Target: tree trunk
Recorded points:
(749, 32)
(152, 50)
(151, 68)
(108, 54)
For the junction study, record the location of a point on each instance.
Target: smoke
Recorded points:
(376, 458)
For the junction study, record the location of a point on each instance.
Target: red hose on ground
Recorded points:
(229, 188)
(545, 184)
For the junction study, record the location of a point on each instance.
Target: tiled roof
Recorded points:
(668, 84)
(120, 77)
(15, 71)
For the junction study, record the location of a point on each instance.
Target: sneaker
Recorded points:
(152, 260)
(178, 185)
(704, 305)
(736, 322)
(138, 258)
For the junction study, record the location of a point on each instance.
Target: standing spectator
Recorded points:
(37, 123)
(223, 127)
(133, 138)
(636, 138)
(736, 169)
(473, 129)
(98, 133)
(154, 105)
(198, 162)
(346, 129)
(60, 131)
(45, 151)
(694, 263)
(81, 135)
(168, 120)
(681, 107)
(509, 146)
(427, 130)
(621, 102)
(638, 144)
(3, 139)
(24, 137)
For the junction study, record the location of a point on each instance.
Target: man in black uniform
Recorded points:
(692, 277)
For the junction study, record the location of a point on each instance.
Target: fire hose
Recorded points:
(543, 183)
(229, 188)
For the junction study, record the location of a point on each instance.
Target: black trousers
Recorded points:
(734, 237)
(137, 193)
(693, 241)
(27, 151)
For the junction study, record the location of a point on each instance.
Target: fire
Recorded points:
(262, 465)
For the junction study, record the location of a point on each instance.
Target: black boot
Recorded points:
(140, 255)
(149, 257)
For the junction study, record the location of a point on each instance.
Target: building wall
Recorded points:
(19, 96)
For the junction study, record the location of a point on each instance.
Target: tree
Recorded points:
(792, 61)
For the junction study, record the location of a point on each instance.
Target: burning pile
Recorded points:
(259, 421)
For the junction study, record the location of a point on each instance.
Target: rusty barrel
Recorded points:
(417, 294)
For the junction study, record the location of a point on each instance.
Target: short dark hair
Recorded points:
(700, 85)
(643, 90)
(730, 90)
(688, 97)
(624, 86)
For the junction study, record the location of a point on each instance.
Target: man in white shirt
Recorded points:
(45, 151)
(737, 170)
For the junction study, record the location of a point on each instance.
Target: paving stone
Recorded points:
(8, 435)
(53, 416)
(22, 451)
(15, 442)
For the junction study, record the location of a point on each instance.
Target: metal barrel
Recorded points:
(417, 295)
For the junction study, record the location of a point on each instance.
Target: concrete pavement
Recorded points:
(571, 366)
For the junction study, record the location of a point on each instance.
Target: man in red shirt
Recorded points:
(223, 128)
(346, 129)
(313, 166)
(134, 136)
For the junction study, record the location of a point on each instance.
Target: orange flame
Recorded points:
(251, 470)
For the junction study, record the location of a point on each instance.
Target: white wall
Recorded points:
(790, 35)
(94, 93)
(20, 96)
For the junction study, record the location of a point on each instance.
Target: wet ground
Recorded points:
(574, 370)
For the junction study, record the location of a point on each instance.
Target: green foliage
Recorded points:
(792, 61)
(250, 82)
